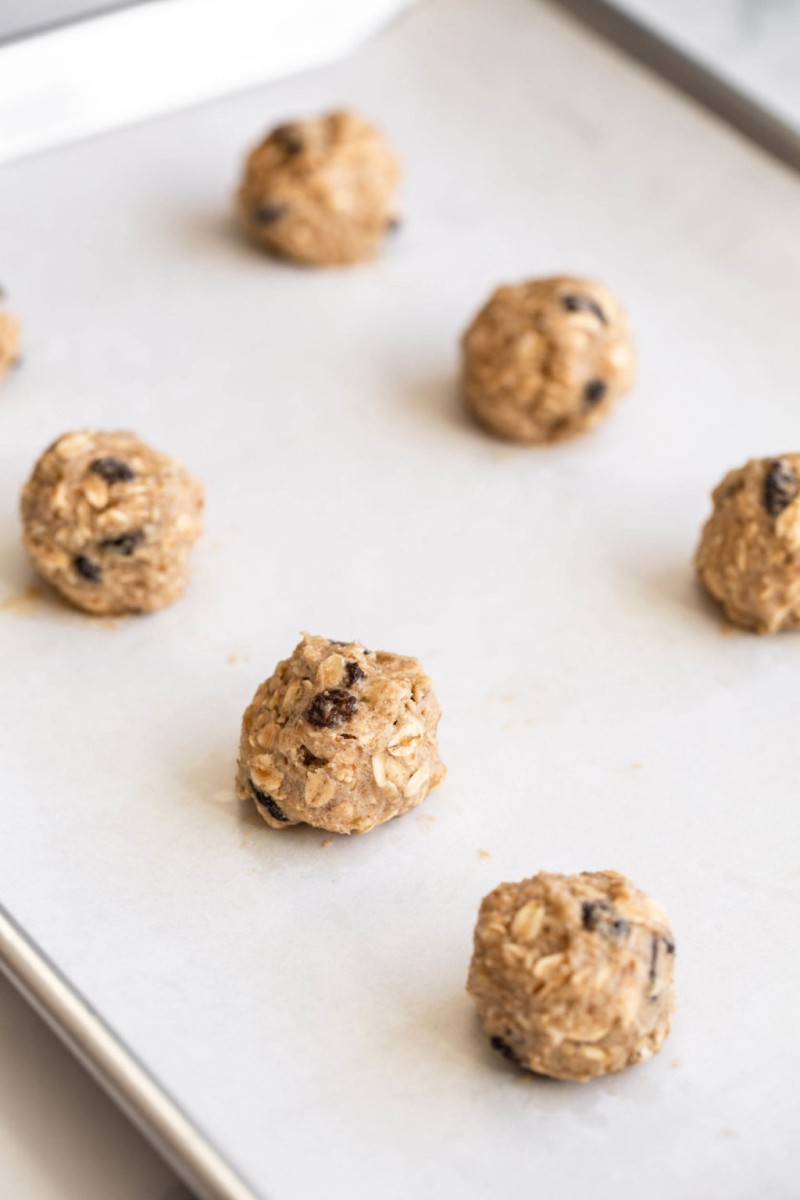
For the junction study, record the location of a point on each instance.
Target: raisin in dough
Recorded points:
(341, 738)
(109, 522)
(749, 552)
(9, 342)
(547, 359)
(320, 191)
(572, 974)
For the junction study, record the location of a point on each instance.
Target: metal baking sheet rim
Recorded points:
(690, 76)
(102, 1052)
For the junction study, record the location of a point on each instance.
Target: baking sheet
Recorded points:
(303, 998)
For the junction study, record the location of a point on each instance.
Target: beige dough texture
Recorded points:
(547, 359)
(109, 522)
(9, 342)
(340, 737)
(320, 191)
(749, 553)
(572, 974)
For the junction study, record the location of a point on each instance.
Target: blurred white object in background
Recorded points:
(79, 79)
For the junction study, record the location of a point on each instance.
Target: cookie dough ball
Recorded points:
(547, 359)
(572, 974)
(9, 342)
(109, 522)
(749, 552)
(320, 191)
(340, 737)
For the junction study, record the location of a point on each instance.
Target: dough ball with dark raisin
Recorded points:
(749, 553)
(109, 522)
(320, 191)
(340, 737)
(547, 359)
(9, 341)
(572, 974)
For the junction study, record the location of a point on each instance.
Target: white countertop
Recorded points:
(61, 1138)
(753, 44)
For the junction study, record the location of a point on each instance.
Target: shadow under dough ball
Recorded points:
(547, 359)
(572, 974)
(320, 191)
(749, 553)
(9, 342)
(109, 522)
(341, 738)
